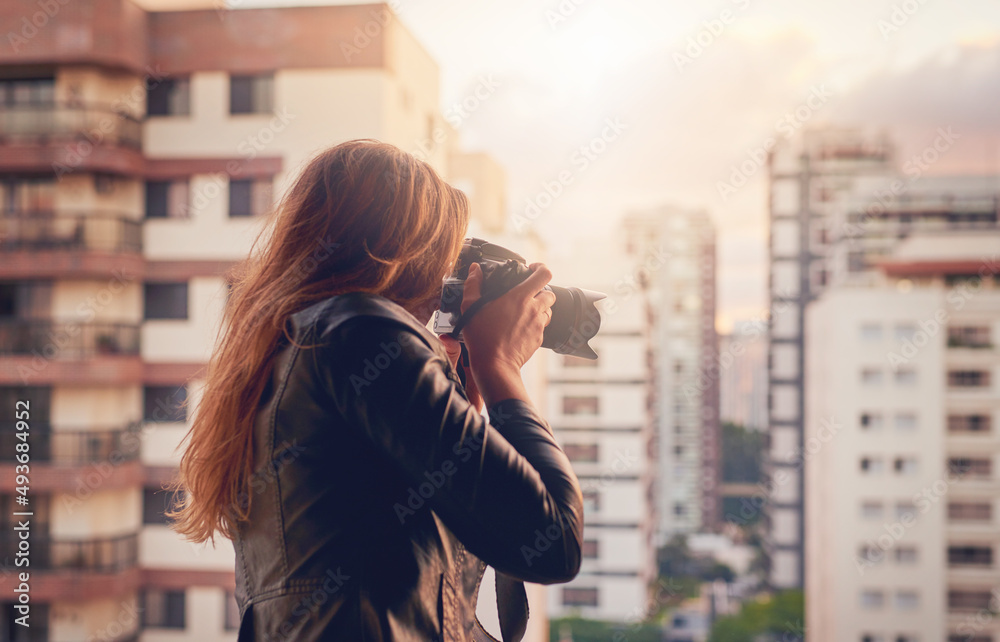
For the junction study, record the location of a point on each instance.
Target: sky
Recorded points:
(683, 93)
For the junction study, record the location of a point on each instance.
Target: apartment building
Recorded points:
(676, 248)
(902, 408)
(602, 415)
(138, 149)
(840, 201)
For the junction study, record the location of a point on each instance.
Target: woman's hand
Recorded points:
(454, 350)
(506, 332)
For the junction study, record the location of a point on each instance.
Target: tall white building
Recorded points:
(839, 202)
(901, 446)
(602, 416)
(676, 248)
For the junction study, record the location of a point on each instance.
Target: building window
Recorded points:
(969, 337)
(907, 600)
(168, 97)
(906, 555)
(167, 199)
(968, 378)
(871, 377)
(28, 92)
(155, 504)
(971, 467)
(906, 422)
(970, 511)
(969, 423)
(906, 637)
(165, 403)
(162, 609)
(232, 613)
(906, 377)
(166, 300)
(251, 94)
(569, 361)
(870, 555)
(872, 599)
(905, 332)
(970, 556)
(579, 597)
(906, 511)
(589, 549)
(969, 600)
(581, 452)
(581, 405)
(871, 510)
(905, 465)
(680, 509)
(871, 637)
(872, 465)
(871, 421)
(250, 197)
(591, 501)
(871, 332)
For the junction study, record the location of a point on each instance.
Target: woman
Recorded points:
(334, 443)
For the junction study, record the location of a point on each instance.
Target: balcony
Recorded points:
(98, 125)
(67, 340)
(108, 555)
(42, 352)
(41, 231)
(45, 244)
(65, 569)
(72, 448)
(67, 138)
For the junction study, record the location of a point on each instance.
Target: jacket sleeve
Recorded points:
(505, 488)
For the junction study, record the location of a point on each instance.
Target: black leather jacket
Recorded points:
(380, 494)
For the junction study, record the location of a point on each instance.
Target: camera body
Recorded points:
(575, 318)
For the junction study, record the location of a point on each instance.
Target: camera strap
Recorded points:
(491, 289)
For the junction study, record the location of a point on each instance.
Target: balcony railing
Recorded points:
(106, 555)
(98, 125)
(72, 448)
(94, 232)
(67, 340)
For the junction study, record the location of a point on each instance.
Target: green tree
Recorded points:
(742, 453)
(778, 617)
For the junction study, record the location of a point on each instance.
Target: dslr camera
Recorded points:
(575, 318)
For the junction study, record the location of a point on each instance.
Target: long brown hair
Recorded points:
(362, 216)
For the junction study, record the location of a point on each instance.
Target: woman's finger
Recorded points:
(453, 348)
(473, 286)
